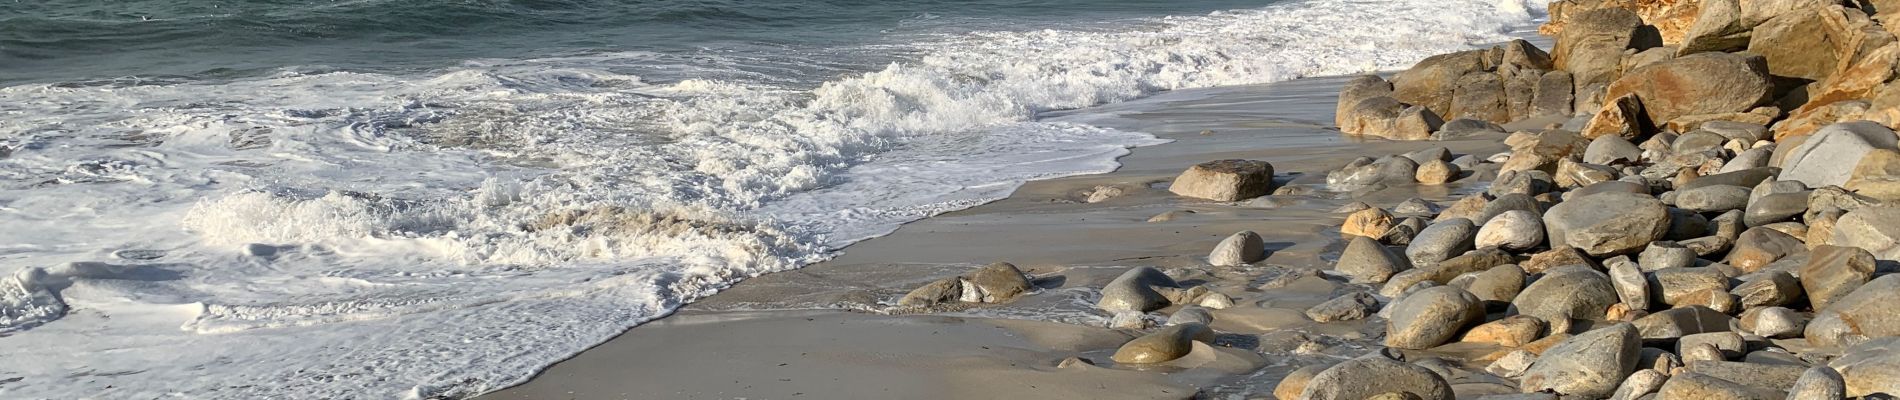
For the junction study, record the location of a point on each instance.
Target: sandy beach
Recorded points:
(819, 332)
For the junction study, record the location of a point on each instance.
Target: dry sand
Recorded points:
(816, 332)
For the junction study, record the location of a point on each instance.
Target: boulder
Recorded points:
(1772, 208)
(1870, 368)
(1191, 314)
(1295, 382)
(1465, 127)
(1811, 44)
(1642, 382)
(1365, 377)
(1556, 257)
(1136, 291)
(1702, 83)
(1774, 322)
(1622, 116)
(1607, 224)
(1244, 247)
(1163, 345)
(1767, 377)
(1507, 203)
(1818, 161)
(1349, 307)
(1565, 293)
(1356, 90)
(1877, 175)
(1512, 331)
(1441, 241)
(1433, 82)
(1542, 150)
(1690, 385)
(1832, 272)
(1610, 150)
(1480, 95)
(1759, 246)
(1572, 174)
(1675, 323)
(1876, 229)
(1662, 255)
(1590, 364)
(1592, 43)
(1552, 97)
(1225, 180)
(1819, 383)
(947, 290)
(1718, 27)
(1475, 261)
(1367, 261)
(1515, 230)
(1431, 317)
(1865, 313)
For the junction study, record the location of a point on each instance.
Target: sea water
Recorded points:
(412, 199)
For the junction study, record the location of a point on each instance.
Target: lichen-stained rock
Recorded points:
(1480, 96)
(1433, 81)
(1607, 224)
(1244, 247)
(1225, 180)
(1589, 365)
(1702, 83)
(1554, 96)
(1356, 90)
(1592, 43)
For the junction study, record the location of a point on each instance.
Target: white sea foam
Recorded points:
(352, 235)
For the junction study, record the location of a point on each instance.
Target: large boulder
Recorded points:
(1822, 159)
(1433, 82)
(1480, 96)
(1702, 83)
(1865, 313)
(1592, 43)
(1387, 117)
(1358, 89)
(1622, 116)
(1431, 317)
(1588, 365)
(1365, 377)
(1553, 96)
(1607, 224)
(1225, 180)
(1870, 368)
(1810, 44)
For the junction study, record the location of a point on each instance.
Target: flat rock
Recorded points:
(1349, 307)
(1713, 198)
(1832, 272)
(1690, 385)
(1225, 180)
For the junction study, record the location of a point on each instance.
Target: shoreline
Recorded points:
(1048, 229)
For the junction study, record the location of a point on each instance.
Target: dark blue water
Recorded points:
(58, 40)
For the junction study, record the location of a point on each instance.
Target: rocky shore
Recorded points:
(1678, 200)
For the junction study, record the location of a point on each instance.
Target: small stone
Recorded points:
(1512, 331)
(1103, 193)
(1607, 224)
(1673, 285)
(1701, 353)
(1662, 255)
(1366, 261)
(1713, 198)
(1512, 365)
(1556, 257)
(1436, 172)
(1757, 247)
(1498, 284)
(1730, 344)
(1415, 206)
(1631, 287)
(1770, 288)
(1163, 345)
(1774, 322)
(1678, 322)
(1610, 150)
(1225, 180)
(1871, 367)
(1566, 293)
(1191, 314)
(1244, 247)
(1641, 383)
(1371, 222)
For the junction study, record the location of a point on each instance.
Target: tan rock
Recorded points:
(1357, 90)
(1290, 387)
(1591, 44)
(1512, 331)
(1807, 120)
(1702, 83)
(1432, 82)
(1855, 81)
(1225, 180)
(1371, 222)
(1877, 175)
(1622, 116)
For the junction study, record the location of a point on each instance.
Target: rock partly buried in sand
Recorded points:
(1367, 261)
(1690, 385)
(1349, 307)
(1244, 247)
(1865, 313)
(1369, 376)
(994, 283)
(1225, 180)
(1830, 155)
(1607, 224)
(1871, 367)
(1515, 230)
(1431, 317)
(1592, 43)
(1136, 291)
(1702, 83)
(1163, 345)
(1589, 365)
(1567, 292)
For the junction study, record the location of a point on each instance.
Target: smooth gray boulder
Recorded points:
(1611, 150)
(1369, 262)
(1515, 230)
(1136, 291)
(1660, 255)
(1431, 317)
(1591, 364)
(1567, 292)
(1498, 284)
(1244, 247)
(1607, 224)
(1442, 240)
(1777, 207)
(1823, 159)
(1365, 377)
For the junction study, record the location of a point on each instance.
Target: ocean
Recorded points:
(422, 199)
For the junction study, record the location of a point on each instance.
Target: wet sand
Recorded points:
(821, 332)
